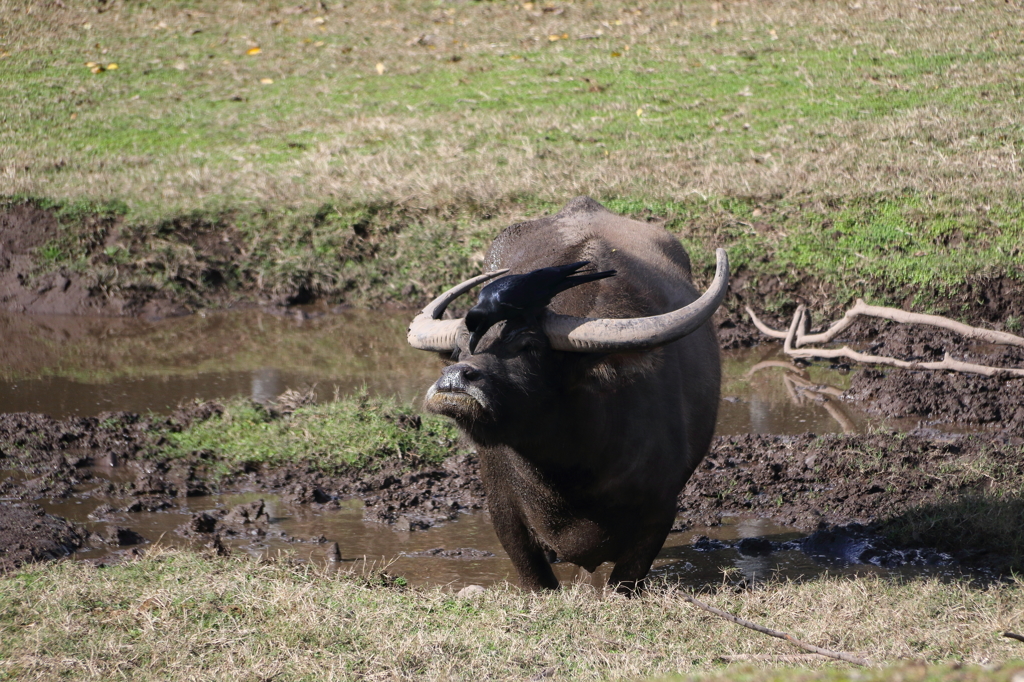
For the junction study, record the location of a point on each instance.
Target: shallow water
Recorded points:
(73, 366)
(66, 366)
(307, 534)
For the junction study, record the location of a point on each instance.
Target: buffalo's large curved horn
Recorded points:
(588, 335)
(428, 331)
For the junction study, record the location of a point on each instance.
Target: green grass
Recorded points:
(181, 615)
(354, 432)
(855, 151)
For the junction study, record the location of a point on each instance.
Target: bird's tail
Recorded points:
(583, 278)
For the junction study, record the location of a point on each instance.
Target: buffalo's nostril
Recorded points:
(457, 377)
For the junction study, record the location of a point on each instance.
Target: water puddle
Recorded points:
(74, 366)
(459, 553)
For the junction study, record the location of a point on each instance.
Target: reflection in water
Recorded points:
(266, 385)
(65, 366)
(763, 392)
(759, 415)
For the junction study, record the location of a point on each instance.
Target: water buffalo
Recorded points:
(589, 417)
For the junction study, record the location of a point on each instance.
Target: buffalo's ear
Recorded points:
(609, 371)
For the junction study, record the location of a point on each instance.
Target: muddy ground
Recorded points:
(802, 481)
(808, 482)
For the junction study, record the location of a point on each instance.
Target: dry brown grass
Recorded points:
(181, 616)
(369, 140)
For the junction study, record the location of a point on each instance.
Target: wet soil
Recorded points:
(28, 534)
(27, 284)
(806, 482)
(935, 398)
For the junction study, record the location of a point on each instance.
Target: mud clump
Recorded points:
(937, 398)
(940, 397)
(417, 500)
(407, 499)
(460, 553)
(250, 519)
(40, 444)
(28, 534)
(813, 481)
(118, 536)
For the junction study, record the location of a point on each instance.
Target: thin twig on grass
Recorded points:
(1014, 635)
(839, 655)
(773, 658)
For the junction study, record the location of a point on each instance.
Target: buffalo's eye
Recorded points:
(522, 340)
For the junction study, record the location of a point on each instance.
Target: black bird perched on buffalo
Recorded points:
(523, 296)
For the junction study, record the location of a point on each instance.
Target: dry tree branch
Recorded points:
(897, 315)
(765, 329)
(839, 655)
(796, 335)
(894, 314)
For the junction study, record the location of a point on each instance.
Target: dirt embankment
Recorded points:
(182, 265)
(39, 273)
(809, 482)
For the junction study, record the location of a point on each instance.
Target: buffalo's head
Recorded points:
(513, 378)
(519, 368)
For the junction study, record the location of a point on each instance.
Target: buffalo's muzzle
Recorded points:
(457, 392)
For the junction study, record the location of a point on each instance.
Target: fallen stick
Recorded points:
(1014, 635)
(896, 315)
(774, 658)
(947, 362)
(839, 655)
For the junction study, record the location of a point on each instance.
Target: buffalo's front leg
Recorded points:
(527, 555)
(630, 572)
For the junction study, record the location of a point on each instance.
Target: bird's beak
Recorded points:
(474, 338)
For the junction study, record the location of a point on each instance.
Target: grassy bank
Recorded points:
(838, 152)
(182, 615)
(905, 250)
(354, 432)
